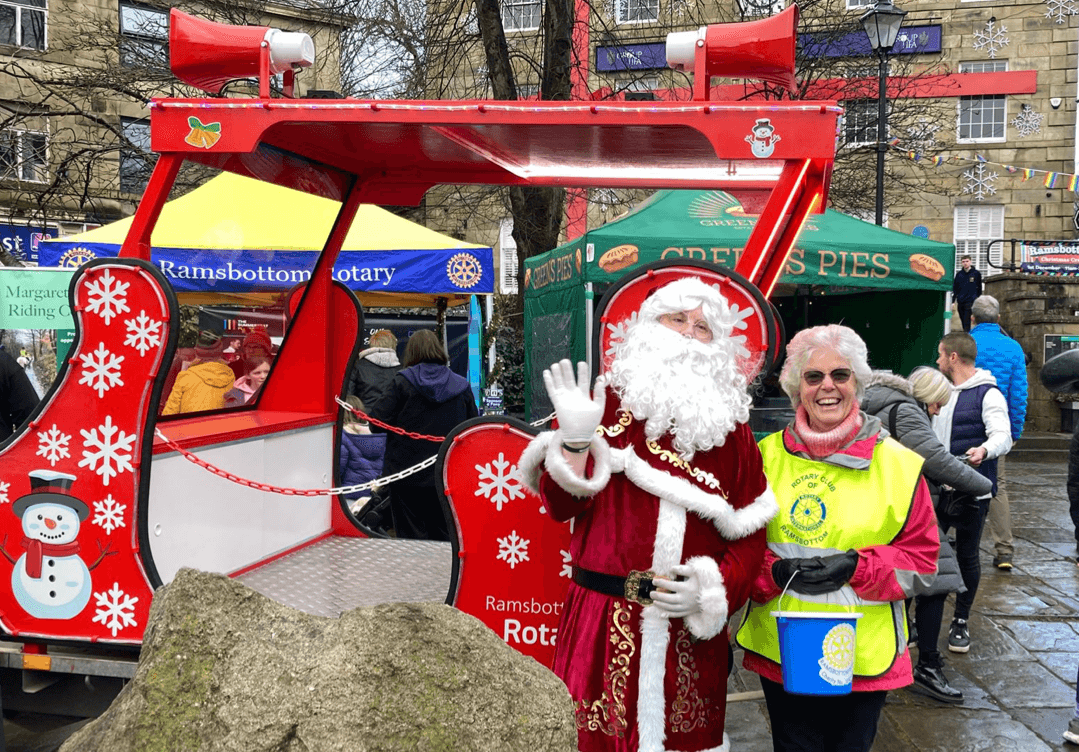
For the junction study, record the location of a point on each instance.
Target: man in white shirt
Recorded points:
(975, 425)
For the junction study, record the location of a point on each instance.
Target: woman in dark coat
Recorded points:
(425, 397)
(904, 407)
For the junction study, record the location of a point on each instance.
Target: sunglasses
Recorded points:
(839, 376)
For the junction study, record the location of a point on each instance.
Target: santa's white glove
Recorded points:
(684, 597)
(578, 414)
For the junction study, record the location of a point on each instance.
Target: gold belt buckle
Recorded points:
(633, 586)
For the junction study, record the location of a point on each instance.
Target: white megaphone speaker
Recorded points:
(762, 50)
(208, 55)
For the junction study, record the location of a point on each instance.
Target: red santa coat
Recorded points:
(640, 680)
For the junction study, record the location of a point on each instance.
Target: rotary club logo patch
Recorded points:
(837, 662)
(76, 257)
(464, 270)
(202, 135)
(808, 513)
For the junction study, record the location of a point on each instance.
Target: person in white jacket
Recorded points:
(975, 426)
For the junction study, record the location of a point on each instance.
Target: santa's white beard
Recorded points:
(679, 385)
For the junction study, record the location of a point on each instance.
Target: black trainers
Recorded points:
(959, 637)
(930, 681)
(1072, 734)
(1003, 561)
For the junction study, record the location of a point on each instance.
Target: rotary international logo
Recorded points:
(808, 513)
(837, 661)
(76, 257)
(464, 270)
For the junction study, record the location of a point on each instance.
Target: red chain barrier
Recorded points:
(387, 426)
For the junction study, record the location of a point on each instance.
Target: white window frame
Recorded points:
(869, 115)
(507, 258)
(516, 22)
(23, 7)
(974, 227)
(982, 66)
(622, 7)
(38, 171)
(126, 156)
(761, 8)
(144, 26)
(852, 4)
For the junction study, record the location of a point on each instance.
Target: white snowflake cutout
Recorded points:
(107, 299)
(143, 333)
(512, 549)
(115, 609)
(1059, 10)
(101, 370)
(567, 564)
(3, 492)
(993, 38)
(505, 484)
(107, 451)
(980, 181)
(1027, 122)
(618, 332)
(53, 445)
(109, 514)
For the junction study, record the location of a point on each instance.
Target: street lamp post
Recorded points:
(881, 24)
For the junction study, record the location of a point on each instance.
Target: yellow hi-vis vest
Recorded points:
(824, 510)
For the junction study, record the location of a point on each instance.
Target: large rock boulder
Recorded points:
(225, 668)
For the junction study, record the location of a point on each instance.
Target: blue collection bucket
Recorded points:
(816, 651)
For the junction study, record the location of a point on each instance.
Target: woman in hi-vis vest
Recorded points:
(855, 532)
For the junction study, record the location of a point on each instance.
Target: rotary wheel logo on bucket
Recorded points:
(837, 662)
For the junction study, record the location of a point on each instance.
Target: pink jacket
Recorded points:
(884, 573)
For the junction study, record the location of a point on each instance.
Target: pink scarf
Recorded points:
(823, 443)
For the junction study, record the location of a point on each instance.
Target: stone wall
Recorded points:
(1031, 307)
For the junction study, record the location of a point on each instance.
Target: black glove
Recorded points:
(817, 575)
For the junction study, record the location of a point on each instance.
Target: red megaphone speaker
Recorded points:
(208, 55)
(762, 50)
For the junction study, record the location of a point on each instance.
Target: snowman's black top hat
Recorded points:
(50, 487)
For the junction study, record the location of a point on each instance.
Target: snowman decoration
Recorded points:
(763, 139)
(50, 580)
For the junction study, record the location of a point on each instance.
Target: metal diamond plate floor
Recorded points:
(334, 575)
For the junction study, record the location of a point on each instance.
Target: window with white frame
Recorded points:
(983, 118)
(521, 15)
(636, 11)
(975, 228)
(861, 3)
(22, 23)
(761, 7)
(135, 162)
(24, 155)
(144, 36)
(507, 258)
(860, 122)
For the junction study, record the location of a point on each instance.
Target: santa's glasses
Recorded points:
(839, 376)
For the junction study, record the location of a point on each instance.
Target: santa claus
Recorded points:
(664, 484)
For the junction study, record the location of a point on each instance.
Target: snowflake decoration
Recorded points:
(52, 445)
(1028, 122)
(3, 492)
(567, 564)
(143, 333)
(109, 514)
(740, 316)
(922, 137)
(115, 609)
(111, 297)
(1060, 9)
(618, 332)
(107, 451)
(513, 549)
(980, 181)
(505, 484)
(992, 39)
(101, 370)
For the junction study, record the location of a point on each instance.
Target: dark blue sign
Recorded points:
(445, 270)
(911, 40)
(21, 241)
(625, 57)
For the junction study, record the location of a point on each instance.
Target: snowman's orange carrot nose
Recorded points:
(49, 523)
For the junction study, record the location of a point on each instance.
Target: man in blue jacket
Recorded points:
(1003, 357)
(966, 287)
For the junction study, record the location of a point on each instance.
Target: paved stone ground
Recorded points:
(1019, 676)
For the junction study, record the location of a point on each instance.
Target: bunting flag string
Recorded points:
(1052, 179)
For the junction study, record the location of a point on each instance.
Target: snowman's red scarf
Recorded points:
(37, 550)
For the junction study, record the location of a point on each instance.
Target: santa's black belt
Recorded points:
(636, 586)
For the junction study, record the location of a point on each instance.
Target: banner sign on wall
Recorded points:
(626, 57)
(22, 241)
(911, 40)
(35, 298)
(1050, 257)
